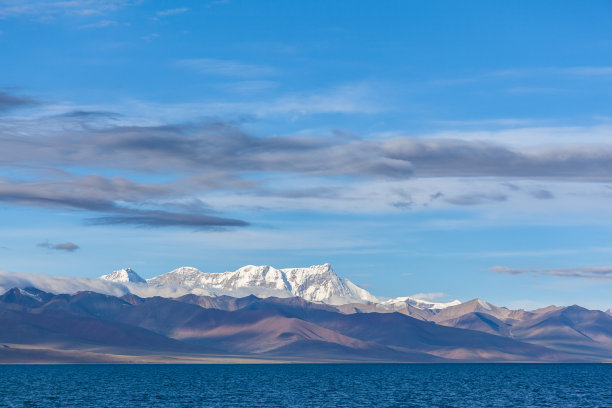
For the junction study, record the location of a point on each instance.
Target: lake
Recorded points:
(307, 385)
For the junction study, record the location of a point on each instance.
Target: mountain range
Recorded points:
(259, 313)
(317, 283)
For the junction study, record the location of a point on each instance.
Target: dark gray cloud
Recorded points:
(437, 195)
(92, 139)
(158, 218)
(116, 199)
(190, 148)
(475, 199)
(10, 101)
(542, 194)
(459, 158)
(403, 205)
(66, 246)
(315, 192)
(92, 193)
(193, 159)
(511, 186)
(600, 272)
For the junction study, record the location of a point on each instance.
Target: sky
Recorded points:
(454, 150)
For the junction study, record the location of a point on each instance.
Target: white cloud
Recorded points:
(59, 284)
(172, 12)
(16, 8)
(100, 24)
(219, 67)
(429, 296)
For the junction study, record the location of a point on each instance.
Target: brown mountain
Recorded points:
(287, 329)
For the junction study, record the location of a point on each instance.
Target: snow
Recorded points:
(401, 302)
(123, 275)
(316, 283)
(484, 304)
(32, 295)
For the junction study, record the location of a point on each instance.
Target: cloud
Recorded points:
(224, 146)
(218, 67)
(17, 8)
(475, 199)
(9, 101)
(467, 158)
(542, 194)
(100, 24)
(588, 71)
(59, 284)
(172, 12)
(429, 296)
(150, 37)
(601, 71)
(211, 146)
(66, 246)
(103, 195)
(73, 284)
(221, 163)
(158, 218)
(403, 205)
(216, 3)
(601, 272)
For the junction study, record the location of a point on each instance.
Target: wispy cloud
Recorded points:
(158, 218)
(600, 272)
(11, 101)
(65, 246)
(16, 8)
(222, 163)
(475, 199)
(542, 194)
(218, 67)
(59, 284)
(587, 71)
(429, 296)
(111, 197)
(100, 24)
(150, 37)
(172, 12)
(217, 3)
(594, 71)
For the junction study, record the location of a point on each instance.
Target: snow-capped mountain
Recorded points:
(317, 283)
(123, 275)
(401, 302)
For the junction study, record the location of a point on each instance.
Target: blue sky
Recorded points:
(456, 149)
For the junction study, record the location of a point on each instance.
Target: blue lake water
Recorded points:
(311, 385)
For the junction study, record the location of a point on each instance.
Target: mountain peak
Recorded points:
(123, 275)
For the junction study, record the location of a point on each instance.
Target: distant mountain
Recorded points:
(261, 310)
(272, 328)
(570, 329)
